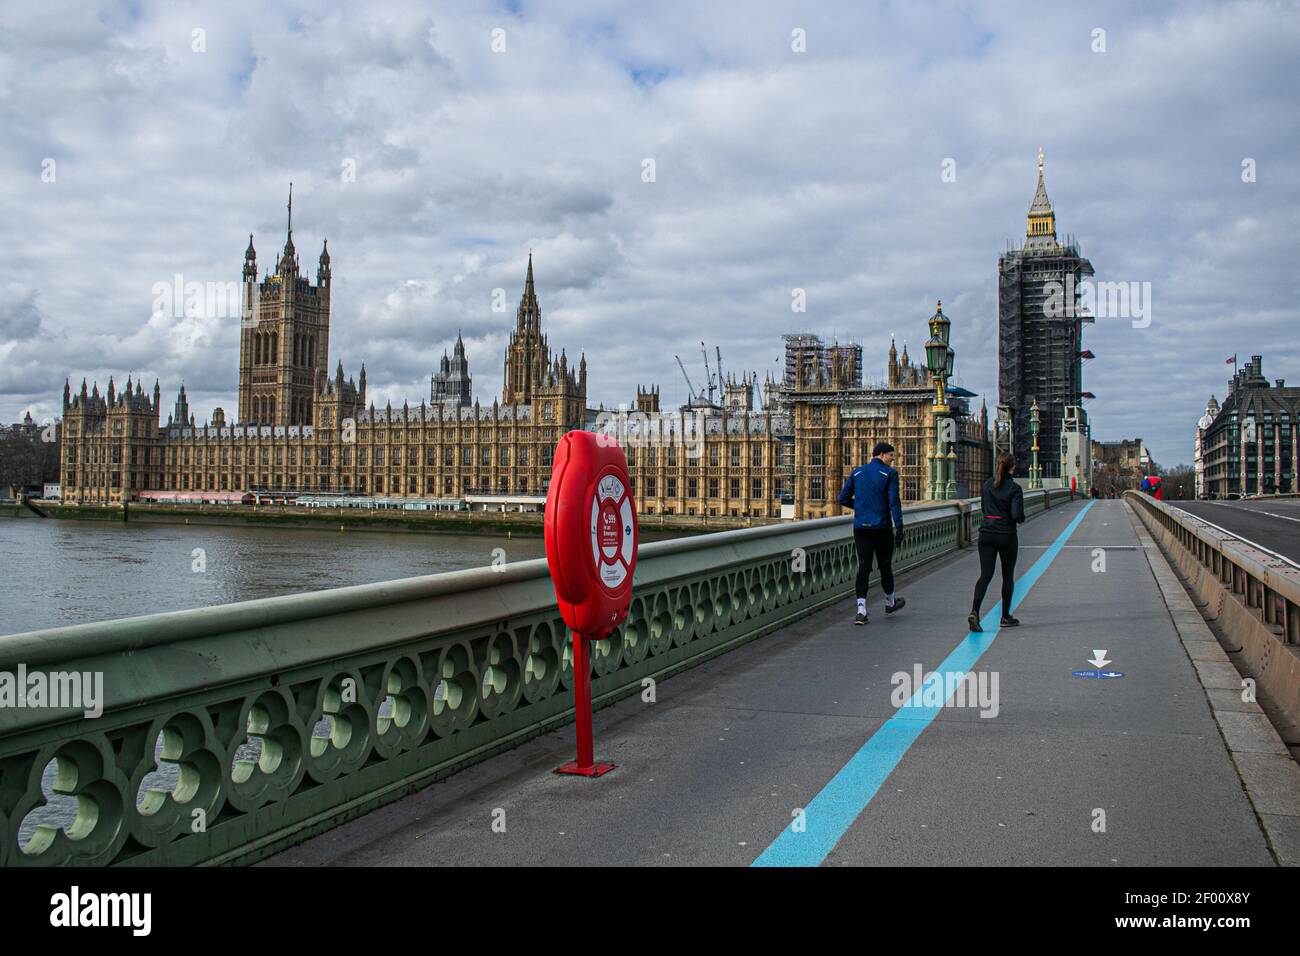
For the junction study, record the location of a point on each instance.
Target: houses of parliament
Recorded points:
(302, 429)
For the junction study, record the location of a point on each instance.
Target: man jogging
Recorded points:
(872, 492)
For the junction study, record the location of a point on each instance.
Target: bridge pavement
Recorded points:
(714, 770)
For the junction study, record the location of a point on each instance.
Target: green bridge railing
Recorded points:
(228, 733)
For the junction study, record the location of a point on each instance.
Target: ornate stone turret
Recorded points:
(452, 383)
(647, 399)
(323, 266)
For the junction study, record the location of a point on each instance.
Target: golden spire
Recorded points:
(1040, 230)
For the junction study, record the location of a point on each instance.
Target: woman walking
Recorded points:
(1003, 504)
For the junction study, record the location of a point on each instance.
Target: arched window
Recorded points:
(257, 350)
(275, 348)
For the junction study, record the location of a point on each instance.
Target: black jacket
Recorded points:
(1003, 506)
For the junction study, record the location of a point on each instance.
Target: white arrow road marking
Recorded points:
(1098, 659)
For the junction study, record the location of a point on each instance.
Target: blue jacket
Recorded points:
(872, 492)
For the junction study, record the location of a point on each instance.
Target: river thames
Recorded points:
(57, 573)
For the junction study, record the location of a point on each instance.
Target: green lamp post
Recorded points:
(1035, 472)
(939, 359)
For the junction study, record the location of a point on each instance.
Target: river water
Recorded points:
(55, 573)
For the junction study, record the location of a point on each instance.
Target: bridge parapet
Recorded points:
(1250, 594)
(230, 732)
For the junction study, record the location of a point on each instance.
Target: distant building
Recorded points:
(1040, 336)
(1119, 465)
(790, 458)
(809, 360)
(303, 432)
(1198, 452)
(1250, 446)
(29, 456)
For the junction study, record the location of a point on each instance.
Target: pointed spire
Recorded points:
(250, 261)
(289, 259)
(529, 317)
(1041, 203)
(1040, 230)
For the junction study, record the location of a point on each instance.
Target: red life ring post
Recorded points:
(591, 536)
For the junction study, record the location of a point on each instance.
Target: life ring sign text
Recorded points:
(613, 542)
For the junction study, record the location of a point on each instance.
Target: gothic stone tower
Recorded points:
(1040, 331)
(284, 338)
(532, 377)
(452, 382)
(111, 443)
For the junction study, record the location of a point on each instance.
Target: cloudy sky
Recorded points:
(435, 144)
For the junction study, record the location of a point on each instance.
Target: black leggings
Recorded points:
(991, 547)
(877, 542)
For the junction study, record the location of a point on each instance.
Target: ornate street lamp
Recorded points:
(939, 358)
(1035, 473)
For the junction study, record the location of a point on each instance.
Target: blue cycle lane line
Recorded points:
(832, 811)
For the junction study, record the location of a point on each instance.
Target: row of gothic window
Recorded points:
(266, 349)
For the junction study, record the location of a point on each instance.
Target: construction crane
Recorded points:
(690, 387)
(708, 373)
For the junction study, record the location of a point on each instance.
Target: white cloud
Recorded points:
(774, 170)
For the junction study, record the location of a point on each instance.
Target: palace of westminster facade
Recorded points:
(301, 430)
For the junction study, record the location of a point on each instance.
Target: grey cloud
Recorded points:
(20, 317)
(775, 170)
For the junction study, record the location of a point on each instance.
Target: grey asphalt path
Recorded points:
(712, 771)
(1271, 522)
